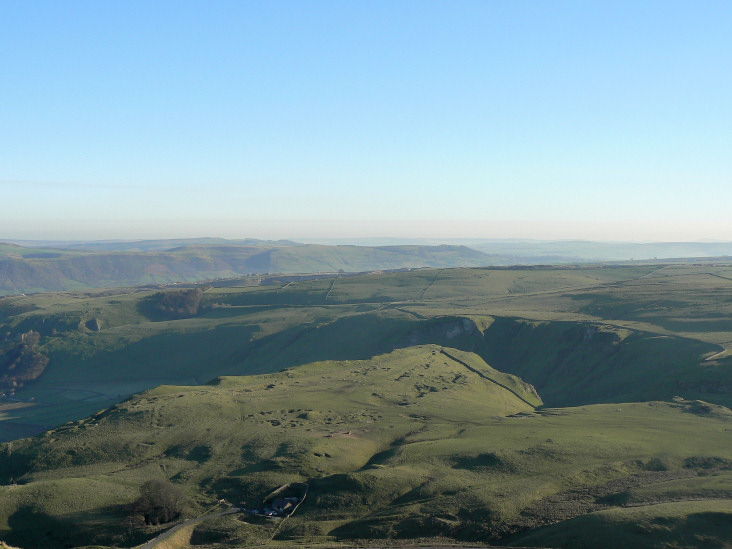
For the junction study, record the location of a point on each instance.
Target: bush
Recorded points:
(159, 502)
(172, 305)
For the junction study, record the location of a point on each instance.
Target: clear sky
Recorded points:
(555, 119)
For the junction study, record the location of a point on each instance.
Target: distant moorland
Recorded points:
(35, 266)
(96, 265)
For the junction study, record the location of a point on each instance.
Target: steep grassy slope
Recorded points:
(421, 442)
(581, 363)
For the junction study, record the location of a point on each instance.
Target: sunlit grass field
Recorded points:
(409, 444)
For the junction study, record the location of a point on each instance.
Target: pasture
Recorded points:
(421, 442)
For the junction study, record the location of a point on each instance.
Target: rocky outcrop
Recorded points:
(442, 329)
(20, 362)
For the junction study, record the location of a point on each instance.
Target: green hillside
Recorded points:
(422, 442)
(162, 245)
(580, 336)
(524, 406)
(32, 270)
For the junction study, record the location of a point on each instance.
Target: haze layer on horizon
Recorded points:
(381, 119)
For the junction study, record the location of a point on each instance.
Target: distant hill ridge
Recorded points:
(41, 266)
(158, 245)
(30, 270)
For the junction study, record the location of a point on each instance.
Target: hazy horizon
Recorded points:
(362, 240)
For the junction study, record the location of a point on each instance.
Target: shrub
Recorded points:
(159, 502)
(172, 305)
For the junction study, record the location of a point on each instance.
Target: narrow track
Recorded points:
(430, 283)
(162, 537)
(330, 289)
(481, 374)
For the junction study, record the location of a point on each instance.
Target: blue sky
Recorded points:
(595, 120)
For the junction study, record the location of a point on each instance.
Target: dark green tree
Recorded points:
(160, 501)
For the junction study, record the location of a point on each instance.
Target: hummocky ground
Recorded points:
(425, 441)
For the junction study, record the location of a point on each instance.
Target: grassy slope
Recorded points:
(247, 430)
(410, 444)
(677, 524)
(555, 328)
(580, 335)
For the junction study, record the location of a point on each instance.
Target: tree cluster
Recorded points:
(160, 501)
(176, 304)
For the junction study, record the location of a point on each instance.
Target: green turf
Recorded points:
(424, 441)
(432, 450)
(706, 524)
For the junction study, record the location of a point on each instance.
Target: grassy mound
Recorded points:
(421, 442)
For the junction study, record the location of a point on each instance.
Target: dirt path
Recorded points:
(430, 283)
(648, 275)
(330, 289)
(481, 374)
(165, 535)
(725, 351)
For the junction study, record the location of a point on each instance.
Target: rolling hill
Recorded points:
(418, 443)
(534, 252)
(537, 406)
(580, 335)
(32, 270)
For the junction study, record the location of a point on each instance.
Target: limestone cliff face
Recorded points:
(574, 363)
(448, 328)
